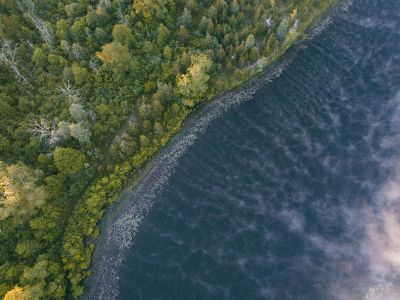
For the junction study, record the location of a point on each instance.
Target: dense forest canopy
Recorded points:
(89, 91)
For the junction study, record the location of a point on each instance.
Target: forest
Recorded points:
(90, 90)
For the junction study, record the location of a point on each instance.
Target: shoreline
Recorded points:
(122, 220)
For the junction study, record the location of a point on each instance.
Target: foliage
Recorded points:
(20, 195)
(282, 30)
(17, 293)
(68, 161)
(89, 92)
(193, 85)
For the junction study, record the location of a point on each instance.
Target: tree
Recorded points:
(186, 18)
(158, 128)
(78, 30)
(17, 293)
(183, 33)
(44, 279)
(69, 161)
(78, 131)
(43, 29)
(47, 133)
(193, 85)
(192, 5)
(8, 56)
(250, 42)
(20, 195)
(62, 29)
(77, 112)
(28, 248)
(81, 74)
(144, 141)
(144, 110)
(39, 57)
(6, 109)
(77, 51)
(235, 7)
(210, 42)
(282, 30)
(153, 9)
(4, 145)
(163, 34)
(203, 24)
(122, 34)
(70, 93)
(212, 12)
(55, 63)
(116, 56)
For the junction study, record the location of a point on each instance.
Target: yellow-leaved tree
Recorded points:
(20, 195)
(17, 293)
(194, 84)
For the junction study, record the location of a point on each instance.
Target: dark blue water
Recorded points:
(294, 194)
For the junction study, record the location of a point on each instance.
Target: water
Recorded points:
(292, 195)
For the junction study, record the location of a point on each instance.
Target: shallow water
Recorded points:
(294, 194)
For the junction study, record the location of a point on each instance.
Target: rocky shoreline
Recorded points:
(121, 222)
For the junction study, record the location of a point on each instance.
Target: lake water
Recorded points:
(294, 194)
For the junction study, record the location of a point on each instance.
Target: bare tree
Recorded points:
(43, 30)
(77, 51)
(8, 52)
(49, 134)
(92, 115)
(70, 93)
(7, 57)
(27, 7)
(120, 14)
(30, 44)
(103, 3)
(93, 64)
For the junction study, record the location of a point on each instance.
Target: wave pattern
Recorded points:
(293, 195)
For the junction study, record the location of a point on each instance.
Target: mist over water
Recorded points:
(292, 195)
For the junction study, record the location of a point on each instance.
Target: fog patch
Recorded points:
(370, 257)
(293, 219)
(383, 242)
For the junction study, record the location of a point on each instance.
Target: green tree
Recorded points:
(153, 9)
(81, 74)
(144, 141)
(44, 280)
(210, 42)
(250, 42)
(122, 34)
(5, 145)
(183, 33)
(78, 30)
(162, 35)
(39, 57)
(203, 24)
(62, 29)
(68, 161)
(6, 109)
